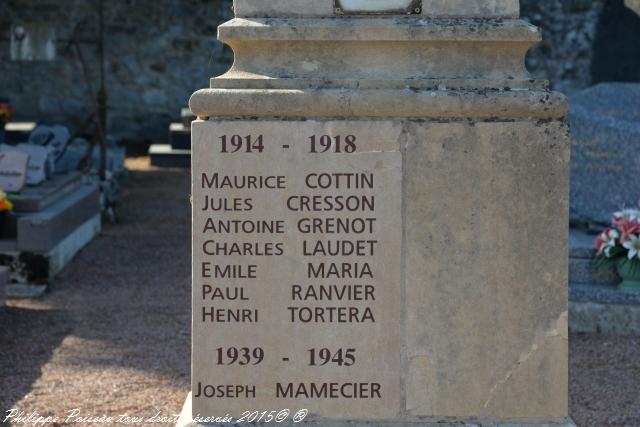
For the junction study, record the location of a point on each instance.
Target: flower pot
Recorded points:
(629, 270)
(7, 225)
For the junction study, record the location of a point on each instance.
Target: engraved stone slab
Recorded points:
(467, 229)
(605, 127)
(297, 292)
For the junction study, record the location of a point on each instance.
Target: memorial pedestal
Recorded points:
(380, 220)
(186, 421)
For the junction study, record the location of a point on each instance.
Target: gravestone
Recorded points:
(38, 167)
(379, 219)
(13, 170)
(54, 138)
(605, 124)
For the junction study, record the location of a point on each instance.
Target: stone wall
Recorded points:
(158, 52)
(569, 29)
(585, 42)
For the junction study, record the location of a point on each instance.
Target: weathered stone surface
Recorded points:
(605, 122)
(280, 48)
(605, 318)
(608, 295)
(471, 192)
(464, 275)
(36, 199)
(476, 318)
(430, 8)
(40, 232)
(565, 57)
(466, 8)
(377, 344)
(31, 268)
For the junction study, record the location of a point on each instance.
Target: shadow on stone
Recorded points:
(616, 49)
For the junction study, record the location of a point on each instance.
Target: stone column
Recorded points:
(471, 157)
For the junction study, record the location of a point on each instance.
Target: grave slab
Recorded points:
(35, 199)
(180, 136)
(34, 269)
(605, 126)
(42, 231)
(165, 156)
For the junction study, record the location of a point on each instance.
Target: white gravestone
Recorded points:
(13, 171)
(54, 138)
(38, 166)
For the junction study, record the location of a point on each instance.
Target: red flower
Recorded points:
(629, 227)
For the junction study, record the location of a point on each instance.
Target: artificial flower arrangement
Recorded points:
(5, 203)
(6, 228)
(619, 246)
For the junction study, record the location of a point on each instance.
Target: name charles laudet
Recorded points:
(341, 248)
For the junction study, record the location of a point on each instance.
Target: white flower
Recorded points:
(607, 251)
(607, 241)
(633, 245)
(627, 214)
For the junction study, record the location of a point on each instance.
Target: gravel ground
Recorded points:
(112, 337)
(604, 380)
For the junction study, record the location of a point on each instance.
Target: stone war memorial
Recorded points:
(380, 204)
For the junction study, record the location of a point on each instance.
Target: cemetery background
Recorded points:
(88, 331)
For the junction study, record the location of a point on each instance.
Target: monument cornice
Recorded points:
(378, 29)
(379, 103)
(348, 49)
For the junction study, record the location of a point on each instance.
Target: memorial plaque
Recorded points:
(296, 265)
(378, 6)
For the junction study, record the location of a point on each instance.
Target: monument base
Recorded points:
(186, 421)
